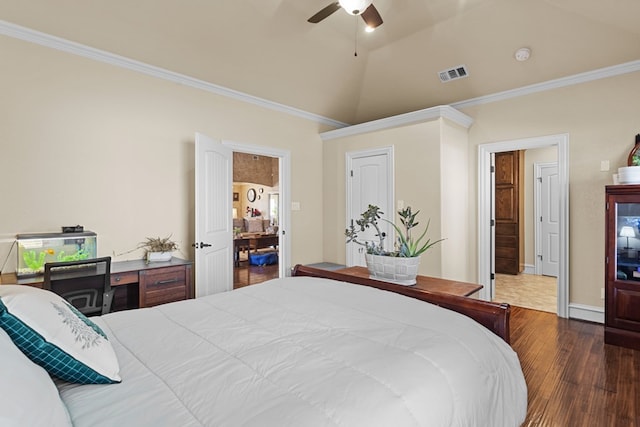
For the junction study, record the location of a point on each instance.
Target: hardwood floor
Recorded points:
(246, 274)
(573, 378)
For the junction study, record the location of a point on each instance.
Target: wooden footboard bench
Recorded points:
(493, 316)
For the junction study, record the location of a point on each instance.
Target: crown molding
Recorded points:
(419, 116)
(47, 40)
(343, 129)
(588, 76)
(452, 112)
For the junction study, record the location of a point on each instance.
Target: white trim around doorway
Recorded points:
(560, 141)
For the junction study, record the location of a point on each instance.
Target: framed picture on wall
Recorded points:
(236, 197)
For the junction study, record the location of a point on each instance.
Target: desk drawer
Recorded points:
(163, 285)
(166, 295)
(125, 278)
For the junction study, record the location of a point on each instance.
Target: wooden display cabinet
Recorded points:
(622, 266)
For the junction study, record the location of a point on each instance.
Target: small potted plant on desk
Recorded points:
(158, 249)
(400, 265)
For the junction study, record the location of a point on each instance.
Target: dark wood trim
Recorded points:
(426, 283)
(493, 316)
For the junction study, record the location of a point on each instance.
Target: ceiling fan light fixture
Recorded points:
(369, 29)
(355, 7)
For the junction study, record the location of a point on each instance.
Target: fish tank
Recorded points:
(35, 250)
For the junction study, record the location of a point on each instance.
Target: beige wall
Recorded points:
(89, 143)
(454, 207)
(417, 156)
(601, 118)
(92, 144)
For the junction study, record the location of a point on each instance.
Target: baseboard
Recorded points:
(586, 312)
(529, 269)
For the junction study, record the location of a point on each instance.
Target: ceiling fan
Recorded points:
(365, 8)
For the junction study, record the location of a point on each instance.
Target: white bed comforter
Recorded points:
(303, 352)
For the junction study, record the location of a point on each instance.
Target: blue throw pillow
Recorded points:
(55, 335)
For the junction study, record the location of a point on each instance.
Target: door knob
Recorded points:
(200, 245)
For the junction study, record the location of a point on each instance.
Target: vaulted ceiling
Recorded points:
(266, 48)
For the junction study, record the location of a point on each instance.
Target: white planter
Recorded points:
(158, 256)
(399, 270)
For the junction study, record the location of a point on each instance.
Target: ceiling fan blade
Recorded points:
(324, 13)
(371, 17)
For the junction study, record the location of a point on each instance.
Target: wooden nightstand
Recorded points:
(425, 283)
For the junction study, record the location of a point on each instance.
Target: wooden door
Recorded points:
(509, 209)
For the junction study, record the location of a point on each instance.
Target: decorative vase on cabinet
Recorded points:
(622, 266)
(398, 270)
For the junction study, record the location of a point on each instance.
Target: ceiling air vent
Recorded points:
(453, 73)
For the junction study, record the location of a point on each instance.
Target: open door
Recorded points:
(492, 249)
(213, 222)
(548, 228)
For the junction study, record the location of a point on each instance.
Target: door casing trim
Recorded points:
(561, 142)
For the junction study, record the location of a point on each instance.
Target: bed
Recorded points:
(301, 351)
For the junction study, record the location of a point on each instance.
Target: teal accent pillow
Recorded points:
(56, 336)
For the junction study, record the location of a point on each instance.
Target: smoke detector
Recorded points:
(522, 54)
(453, 73)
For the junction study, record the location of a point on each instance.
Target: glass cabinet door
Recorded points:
(627, 228)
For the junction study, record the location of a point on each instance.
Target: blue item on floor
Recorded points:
(267, 258)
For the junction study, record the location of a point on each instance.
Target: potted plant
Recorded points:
(399, 265)
(158, 249)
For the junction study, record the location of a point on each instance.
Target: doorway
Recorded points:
(214, 211)
(486, 277)
(256, 218)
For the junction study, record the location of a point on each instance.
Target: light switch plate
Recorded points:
(604, 165)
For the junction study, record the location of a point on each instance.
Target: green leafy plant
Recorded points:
(406, 244)
(158, 244)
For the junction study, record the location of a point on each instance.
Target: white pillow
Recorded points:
(29, 397)
(55, 335)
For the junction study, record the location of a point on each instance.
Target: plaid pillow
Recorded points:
(55, 335)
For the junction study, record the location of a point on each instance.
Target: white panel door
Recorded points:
(213, 219)
(550, 220)
(369, 183)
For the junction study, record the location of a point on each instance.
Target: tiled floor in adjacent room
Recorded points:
(528, 291)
